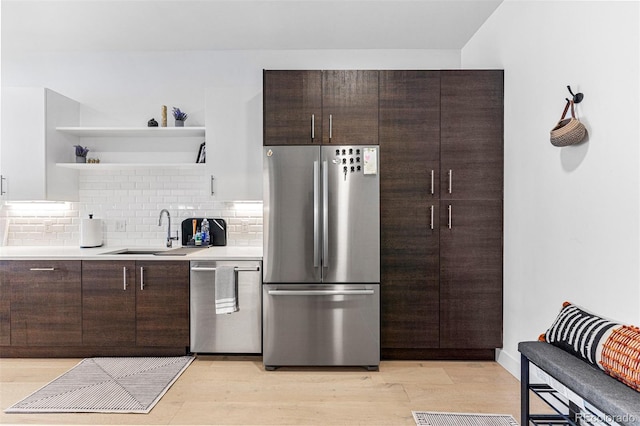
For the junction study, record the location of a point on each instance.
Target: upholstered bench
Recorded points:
(617, 403)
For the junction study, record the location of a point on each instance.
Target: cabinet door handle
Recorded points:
(431, 223)
(141, 278)
(449, 223)
(313, 126)
(2, 179)
(450, 180)
(330, 126)
(124, 278)
(236, 269)
(42, 269)
(432, 184)
(212, 192)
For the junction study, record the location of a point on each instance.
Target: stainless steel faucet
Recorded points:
(169, 237)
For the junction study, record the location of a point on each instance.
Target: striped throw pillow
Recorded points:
(579, 332)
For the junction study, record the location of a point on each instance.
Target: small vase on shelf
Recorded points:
(81, 153)
(179, 116)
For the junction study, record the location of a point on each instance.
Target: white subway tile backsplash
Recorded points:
(133, 198)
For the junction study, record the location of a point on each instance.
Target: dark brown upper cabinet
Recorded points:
(292, 107)
(320, 107)
(350, 107)
(472, 129)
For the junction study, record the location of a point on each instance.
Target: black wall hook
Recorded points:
(577, 98)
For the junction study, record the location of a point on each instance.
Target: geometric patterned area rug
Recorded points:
(432, 418)
(107, 385)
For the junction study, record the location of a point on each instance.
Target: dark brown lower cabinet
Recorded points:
(46, 303)
(162, 303)
(5, 305)
(108, 303)
(94, 308)
(135, 303)
(471, 274)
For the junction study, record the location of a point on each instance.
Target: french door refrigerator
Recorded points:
(321, 269)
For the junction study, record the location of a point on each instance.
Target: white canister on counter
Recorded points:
(90, 232)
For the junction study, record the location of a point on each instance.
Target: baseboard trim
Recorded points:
(86, 352)
(509, 362)
(437, 354)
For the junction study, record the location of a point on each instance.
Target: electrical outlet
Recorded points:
(48, 227)
(121, 225)
(244, 225)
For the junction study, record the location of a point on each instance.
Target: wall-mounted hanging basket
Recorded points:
(568, 131)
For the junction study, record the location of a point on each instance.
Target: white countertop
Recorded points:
(77, 253)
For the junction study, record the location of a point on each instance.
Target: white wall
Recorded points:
(571, 214)
(128, 88)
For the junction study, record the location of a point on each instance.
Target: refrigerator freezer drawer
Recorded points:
(321, 325)
(238, 332)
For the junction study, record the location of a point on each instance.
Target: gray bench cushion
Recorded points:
(606, 393)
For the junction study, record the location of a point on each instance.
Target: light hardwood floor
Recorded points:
(238, 391)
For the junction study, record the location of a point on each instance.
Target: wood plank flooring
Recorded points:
(238, 391)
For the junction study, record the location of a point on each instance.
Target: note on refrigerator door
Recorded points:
(370, 161)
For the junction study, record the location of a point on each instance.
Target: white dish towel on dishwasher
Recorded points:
(226, 290)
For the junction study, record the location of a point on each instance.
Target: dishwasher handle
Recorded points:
(320, 292)
(237, 269)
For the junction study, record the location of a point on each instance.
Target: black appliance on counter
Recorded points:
(217, 229)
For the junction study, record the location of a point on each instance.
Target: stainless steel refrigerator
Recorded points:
(321, 269)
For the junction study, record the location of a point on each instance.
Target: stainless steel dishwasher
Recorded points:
(238, 332)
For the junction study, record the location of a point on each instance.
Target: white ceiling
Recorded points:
(143, 25)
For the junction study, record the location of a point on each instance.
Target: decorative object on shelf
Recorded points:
(93, 160)
(81, 153)
(179, 116)
(568, 131)
(202, 154)
(152, 123)
(164, 116)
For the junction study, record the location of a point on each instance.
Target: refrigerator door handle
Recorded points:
(319, 292)
(325, 215)
(316, 214)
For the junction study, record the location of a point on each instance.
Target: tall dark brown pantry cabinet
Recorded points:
(441, 168)
(409, 194)
(471, 159)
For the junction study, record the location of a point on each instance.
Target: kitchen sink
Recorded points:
(135, 251)
(180, 251)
